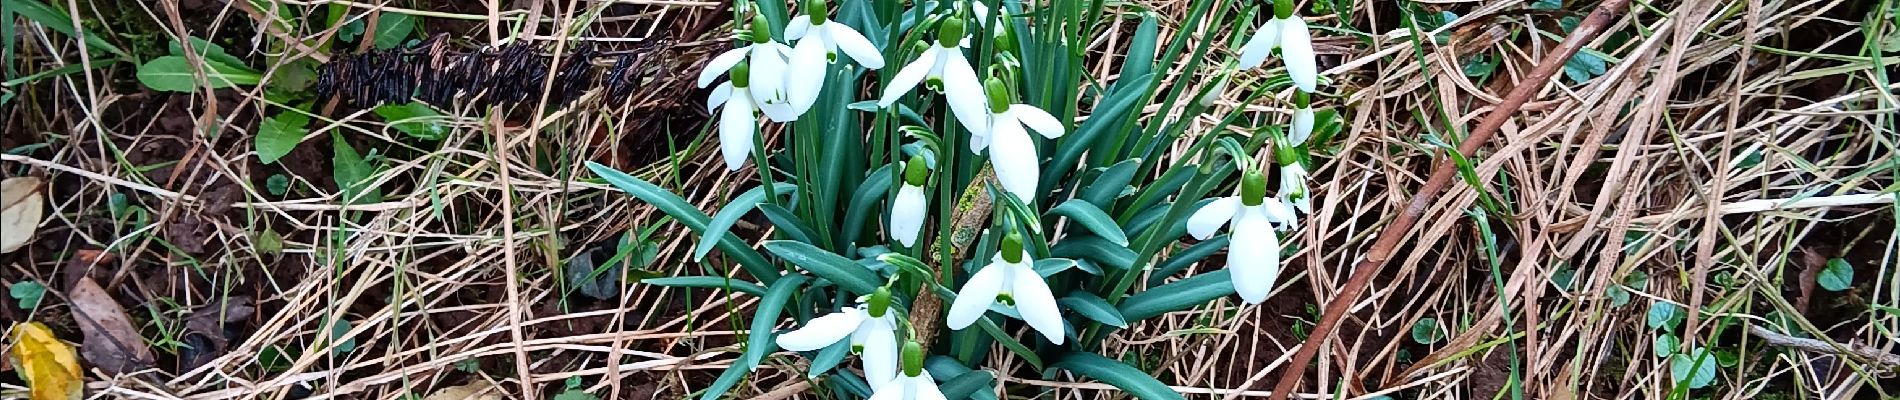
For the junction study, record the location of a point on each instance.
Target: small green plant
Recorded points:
(1053, 229)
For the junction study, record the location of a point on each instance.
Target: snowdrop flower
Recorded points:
(1009, 280)
(1302, 119)
(1011, 150)
(870, 325)
(1288, 33)
(1293, 188)
(740, 117)
(1253, 251)
(819, 40)
(944, 66)
(769, 61)
(915, 383)
(907, 211)
(833, 36)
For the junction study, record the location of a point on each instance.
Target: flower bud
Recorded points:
(1283, 9)
(913, 359)
(1302, 100)
(741, 75)
(1284, 151)
(816, 9)
(761, 32)
(1012, 248)
(1253, 188)
(998, 94)
(950, 34)
(880, 302)
(915, 172)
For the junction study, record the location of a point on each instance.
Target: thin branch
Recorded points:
(1857, 351)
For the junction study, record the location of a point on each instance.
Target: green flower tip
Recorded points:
(998, 94)
(880, 301)
(1253, 188)
(1283, 9)
(1012, 248)
(761, 31)
(913, 359)
(817, 10)
(950, 34)
(1283, 152)
(1301, 99)
(741, 74)
(915, 171)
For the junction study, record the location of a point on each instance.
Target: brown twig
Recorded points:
(1859, 351)
(1394, 235)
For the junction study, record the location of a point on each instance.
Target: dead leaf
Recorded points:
(207, 333)
(112, 342)
(22, 205)
(48, 364)
(478, 390)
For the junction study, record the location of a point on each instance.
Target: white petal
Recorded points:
(907, 214)
(1037, 119)
(767, 76)
(1212, 216)
(965, 92)
(720, 65)
(798, 26)
(926, 387)
(976, 296)
(736, 124)
(855, 45)
(778, 112)
(822, 331)
(1304, 203)
(1253, 257)
(1296, 44)
(1034, 301)
(895, 391)
(1278, 212)
(807, 74)
(719, 95)
(1302, 126)
(908, 77)
(1014, 157)
(1260, 45)
(880, 354)
(979, 141)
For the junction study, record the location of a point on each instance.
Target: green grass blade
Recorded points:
(722, 221)
(1182, 259)
(765, 319)
(787, 223)
(1111, 184)
(708, 282)
(1093, 307)
(1094, 248)
(842, 271)
(1117, 374)
(1176, 296)
(686, 214)
(1092, 218)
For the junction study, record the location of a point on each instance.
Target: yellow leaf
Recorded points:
(50, 367)
(478, 390)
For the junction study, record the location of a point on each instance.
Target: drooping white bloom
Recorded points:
(907, 214)
(834, 37)
(1011, 151)
(1290, 35)
(1014, 284)
(876, 334)
(738, 120)
(944, 62)
(819, 40)
(1293, 189)
(907, 210)
(905, 387)
(769, 60)
(1302, 128)
(1253, 249)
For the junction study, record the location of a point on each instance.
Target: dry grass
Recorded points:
(1674, 166)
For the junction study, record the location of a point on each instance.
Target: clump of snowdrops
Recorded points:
(931, 155)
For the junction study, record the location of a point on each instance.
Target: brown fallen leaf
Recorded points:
(477, 390)
(48, 365)
(22, 205)
(112, 342)
(206, 332)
